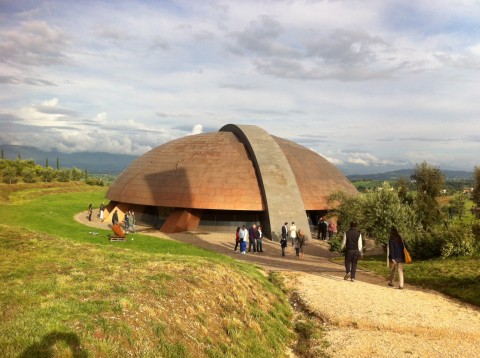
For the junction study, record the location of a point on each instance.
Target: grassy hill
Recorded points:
(64, 292)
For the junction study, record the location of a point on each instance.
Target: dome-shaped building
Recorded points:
(239, 175)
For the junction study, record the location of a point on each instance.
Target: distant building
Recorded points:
(221, 180)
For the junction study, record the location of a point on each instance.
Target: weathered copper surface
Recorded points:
(316, 177)
(214, 171)
(204, 171)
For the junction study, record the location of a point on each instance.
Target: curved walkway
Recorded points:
(365, 318)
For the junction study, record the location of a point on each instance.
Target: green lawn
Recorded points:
(64, 292)
(456, 277)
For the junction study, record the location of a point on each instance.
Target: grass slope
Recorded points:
(66, 293)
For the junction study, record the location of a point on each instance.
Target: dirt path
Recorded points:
(365, 318)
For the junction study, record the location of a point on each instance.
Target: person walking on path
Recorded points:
(352, 241)
(396, 256)
(237, 238)
(100, 211)
(300, 243)
(293, 233)
(243, 236)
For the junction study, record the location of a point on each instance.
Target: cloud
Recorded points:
(197, 129)
(34, 43)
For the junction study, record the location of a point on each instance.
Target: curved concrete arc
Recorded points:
(280, 191)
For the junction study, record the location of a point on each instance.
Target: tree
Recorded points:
(347, 208)
(28, 175)
(403, 192)
(429, 182)
(48, 174)
(457, 204)
(46, 162)
(9, 175)
(63, 175)
(76, 174)
(476, 186)
(383, 209)
(58, 164)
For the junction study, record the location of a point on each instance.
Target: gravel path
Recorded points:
(365, 318)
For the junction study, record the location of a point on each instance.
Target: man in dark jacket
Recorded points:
(253, 236)
(352, 242)
(283, 241)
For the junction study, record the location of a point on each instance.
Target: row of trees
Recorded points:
(27, 171)
(427, 225)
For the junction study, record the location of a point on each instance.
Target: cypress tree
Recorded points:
(58, 164)
(46, 162)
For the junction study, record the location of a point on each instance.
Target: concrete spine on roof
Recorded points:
(241, 167)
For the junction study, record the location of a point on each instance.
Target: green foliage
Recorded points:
(457, 277)
(457, 205)
(95, 181)
(76, 174)
(48, 175)
(383, 209)
(29, 175)
(476, 187)
(9, 175)
(458, 241)
(429, 182)
(335, 244)
(347, 208)
(107, 300)
(63, 175)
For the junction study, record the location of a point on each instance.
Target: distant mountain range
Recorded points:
(107, 163)
(94, 162)
(407, 173)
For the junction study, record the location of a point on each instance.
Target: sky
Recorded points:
(372, 85)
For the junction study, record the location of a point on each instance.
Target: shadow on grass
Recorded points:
(44, 348)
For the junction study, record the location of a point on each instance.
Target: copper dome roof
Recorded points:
(241, 167)
(214, 171)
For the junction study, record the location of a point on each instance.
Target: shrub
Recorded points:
(458, 241)
(335, 244)
(94, 181)
(424, 245)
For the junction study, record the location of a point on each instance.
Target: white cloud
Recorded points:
(373, 83)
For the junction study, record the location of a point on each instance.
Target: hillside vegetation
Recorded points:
(64, 292)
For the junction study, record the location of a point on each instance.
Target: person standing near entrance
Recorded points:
(283, 241)
(252, 236)
(293, 233)
(352, 242)
(243, 236)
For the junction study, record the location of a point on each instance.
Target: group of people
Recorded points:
(253, 235)
(129, 220)
(353, 244)
(297, 238)
(326, 229)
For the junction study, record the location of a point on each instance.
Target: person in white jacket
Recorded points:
(293, 233)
